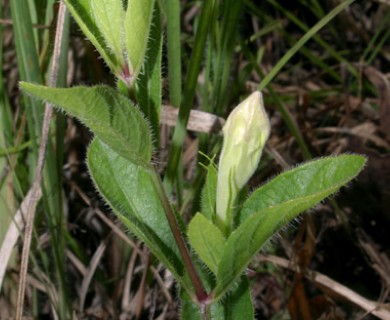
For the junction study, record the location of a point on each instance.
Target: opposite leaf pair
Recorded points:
(265, 212)
(119, 35)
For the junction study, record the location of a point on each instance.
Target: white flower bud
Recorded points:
(245, 132)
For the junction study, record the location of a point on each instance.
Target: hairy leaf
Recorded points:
(209, 192)
(111, 116)
(129, 190)
(236, 305)
(278, 202)
(304, 184)
(137, 25)
(109, 16)
(207, 240)
(83, 13)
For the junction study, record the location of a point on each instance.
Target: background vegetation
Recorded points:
(330, 96)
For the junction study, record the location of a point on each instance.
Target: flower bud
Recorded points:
(245, 132)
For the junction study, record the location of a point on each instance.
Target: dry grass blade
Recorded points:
(77, 263)
(45, 285)
(380, 261)
(125, 304)
(381, 311)
(13, 232)
(136, 251)
(383, 86)
(366, 131)
(35, 189)
(106, 220)
(198, 121)
(140, 295)
(127, 286)
(90, 272)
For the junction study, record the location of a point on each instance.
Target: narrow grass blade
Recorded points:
(301, 42)
(150, 80)
(189, 93)
(172, 8)
(29, 69)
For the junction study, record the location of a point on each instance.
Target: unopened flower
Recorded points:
(245, 133)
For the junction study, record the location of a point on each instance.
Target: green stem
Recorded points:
(200, 292)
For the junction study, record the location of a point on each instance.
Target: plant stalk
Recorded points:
(201, 294)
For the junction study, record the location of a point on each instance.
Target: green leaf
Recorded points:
(129, 190)
(109, 16)
(209, 192)
(149, 81)
(278, 202)
(305, 185)
(83, 13)
(191, 311)
(207, 240)
(111, 116)
(237, 305)
(137, 25)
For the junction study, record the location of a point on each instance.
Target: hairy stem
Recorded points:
(201, 294)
